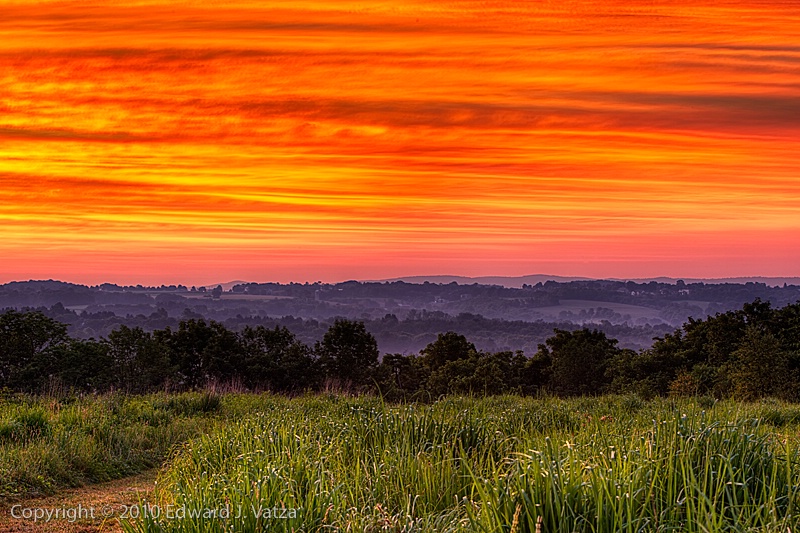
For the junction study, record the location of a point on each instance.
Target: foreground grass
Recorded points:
(324, 463)
(47, 444)
(494, 465)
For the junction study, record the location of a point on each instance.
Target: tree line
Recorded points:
(747, 354)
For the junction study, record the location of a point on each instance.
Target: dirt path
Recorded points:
(90, 509)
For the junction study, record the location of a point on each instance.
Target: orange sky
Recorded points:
(198, 142)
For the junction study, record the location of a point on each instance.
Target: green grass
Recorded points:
(490, 465)
(332, 463)
(47, 444)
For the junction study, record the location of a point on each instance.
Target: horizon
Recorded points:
(777, 280)
(149, 142)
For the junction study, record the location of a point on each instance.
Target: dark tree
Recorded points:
(447, 347)
(481, 374)
(30, 344)
(85, 366)
(579, 361)
(274, 359)
(348, 352)
(759, 367)
(401, 377)
(141, 364)
(202, 352)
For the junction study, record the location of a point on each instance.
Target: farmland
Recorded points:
(252, 462)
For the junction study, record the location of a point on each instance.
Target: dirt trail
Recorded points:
(99, 507)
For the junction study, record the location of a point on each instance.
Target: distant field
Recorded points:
(576, 306)
(251, 463)
(233, 296)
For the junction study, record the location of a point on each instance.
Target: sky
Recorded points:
(198, 142)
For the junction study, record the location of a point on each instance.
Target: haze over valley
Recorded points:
(406, 316)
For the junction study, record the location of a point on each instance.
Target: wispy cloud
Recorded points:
(379, 138)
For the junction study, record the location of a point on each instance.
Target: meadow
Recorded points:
(247, 462)
(47, 443)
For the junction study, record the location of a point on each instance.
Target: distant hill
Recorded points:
(227, 285)
(505, 281)
(770, 282)
(516, 282)
(533, 279)
(406, 314)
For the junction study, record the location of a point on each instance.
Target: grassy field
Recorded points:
(48, 444)
(505, 464)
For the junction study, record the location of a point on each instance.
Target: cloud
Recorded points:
(460, 129)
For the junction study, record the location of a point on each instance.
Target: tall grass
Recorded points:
(48, 443)
(493, 465)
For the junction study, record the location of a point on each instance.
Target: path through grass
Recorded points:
(107, 501)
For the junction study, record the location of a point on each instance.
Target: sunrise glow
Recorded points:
(197, 142)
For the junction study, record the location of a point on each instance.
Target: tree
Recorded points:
(141, 364)
(348, 352)
(85, 366)
(480, 373)
(447, 347)
(759, 367)
(579, 361)
(459, 376)
(29, 346)
(275, 359)
(399, 376)
(202, 352)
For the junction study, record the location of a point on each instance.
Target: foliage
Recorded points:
(276, 360)
(140, 363)
(760, 367)
(348, 353)
(750, 353)
(29, 344)
(579, 361)
(202, 352)
(447, 348)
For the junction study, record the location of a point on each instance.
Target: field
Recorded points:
(241, 462)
